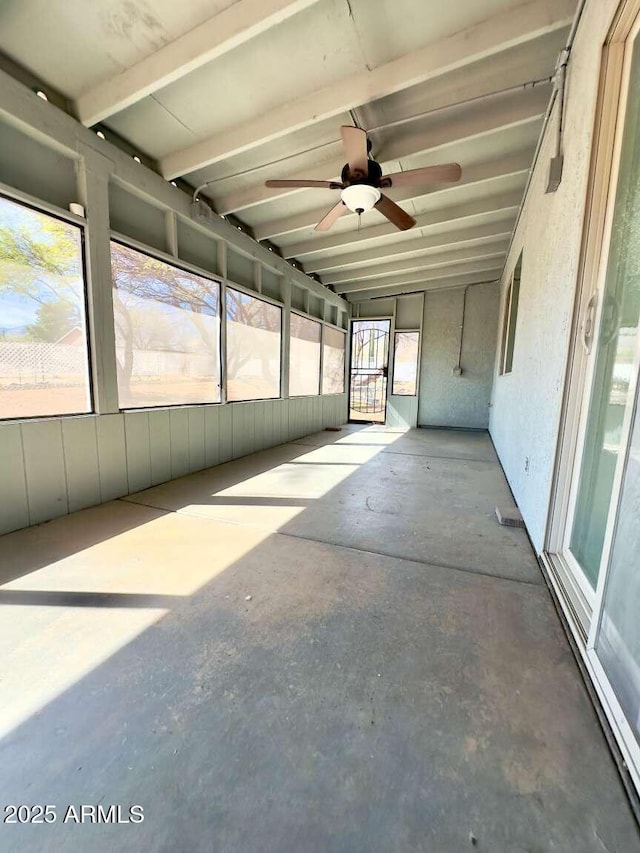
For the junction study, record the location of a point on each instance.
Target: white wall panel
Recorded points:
(45, 470)
(54, 466)
(402, 412)
(226, 433)
(196, 438)
(259, 436)
(211, 435)
(14, 509)
(179, 426)
(81, 461)
(160, 445)
(136, 433)
(112, 457)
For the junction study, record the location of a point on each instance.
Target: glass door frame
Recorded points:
(582, 605)
(382, 318)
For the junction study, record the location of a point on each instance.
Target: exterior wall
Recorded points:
(527, 403)
(445, 399)
(51, 466)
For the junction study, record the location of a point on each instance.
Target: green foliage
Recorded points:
(53, 250)
(40, 262)
(54, 319)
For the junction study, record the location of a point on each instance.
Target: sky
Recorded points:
(18, 311)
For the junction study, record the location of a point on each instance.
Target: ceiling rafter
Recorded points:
(342, 282)
(498, 203)
(479, 235)
(463, 125)
(496, 33)
(473, 266)
(493, 170)
(438, 283)
(240, 22)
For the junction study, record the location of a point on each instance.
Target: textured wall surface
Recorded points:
(445, 399)
(527, 403)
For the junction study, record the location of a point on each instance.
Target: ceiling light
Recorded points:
(271, 248)
(42, 94)
(239, 227)
(137, 159)
(173, 184)
(360, 197)
(100, 134)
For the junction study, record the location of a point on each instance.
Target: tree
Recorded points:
(40, 261)
(54, 319)
(142, 287)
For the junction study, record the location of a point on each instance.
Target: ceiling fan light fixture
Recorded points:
(360, 197)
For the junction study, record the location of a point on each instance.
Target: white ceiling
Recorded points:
(235, 93)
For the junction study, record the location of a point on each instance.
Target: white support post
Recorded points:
(93, 190)
(171, 230)
(286, 338)
(223, 341)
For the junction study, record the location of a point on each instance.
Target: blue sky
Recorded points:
(17, 311)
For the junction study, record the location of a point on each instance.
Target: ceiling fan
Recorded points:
(362, 181)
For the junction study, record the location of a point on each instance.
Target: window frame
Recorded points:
(510, 319)
(311, 319)
(397, 332)
(31, 203)
(185, 266)
(345, 335)
(231, 285)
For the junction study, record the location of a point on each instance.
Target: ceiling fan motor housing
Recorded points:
(373, 177)
(360, 191)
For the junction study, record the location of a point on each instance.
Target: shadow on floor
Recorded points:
(284, 694)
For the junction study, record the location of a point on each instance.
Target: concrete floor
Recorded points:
(328, 646)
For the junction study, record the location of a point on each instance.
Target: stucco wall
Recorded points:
(446, 399)
(526, 403)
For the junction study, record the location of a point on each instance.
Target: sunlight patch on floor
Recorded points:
(46, 649)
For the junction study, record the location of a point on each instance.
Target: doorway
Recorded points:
(368, 375)
(594, 539)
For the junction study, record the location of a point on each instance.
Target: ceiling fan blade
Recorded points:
(395, 213)
(329, 185)
(329, 218)
(444, 173)
(354, 140)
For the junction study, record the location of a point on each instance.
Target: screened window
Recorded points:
(44, 364)
(333, 361)
(304, 357)
(253, 347)
(405, 363)
(510, 320)
(167, 325)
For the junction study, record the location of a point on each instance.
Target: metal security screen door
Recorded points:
(368, 374)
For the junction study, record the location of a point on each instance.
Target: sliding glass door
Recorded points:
(598, 561)
(614, 350)
(616, 636)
